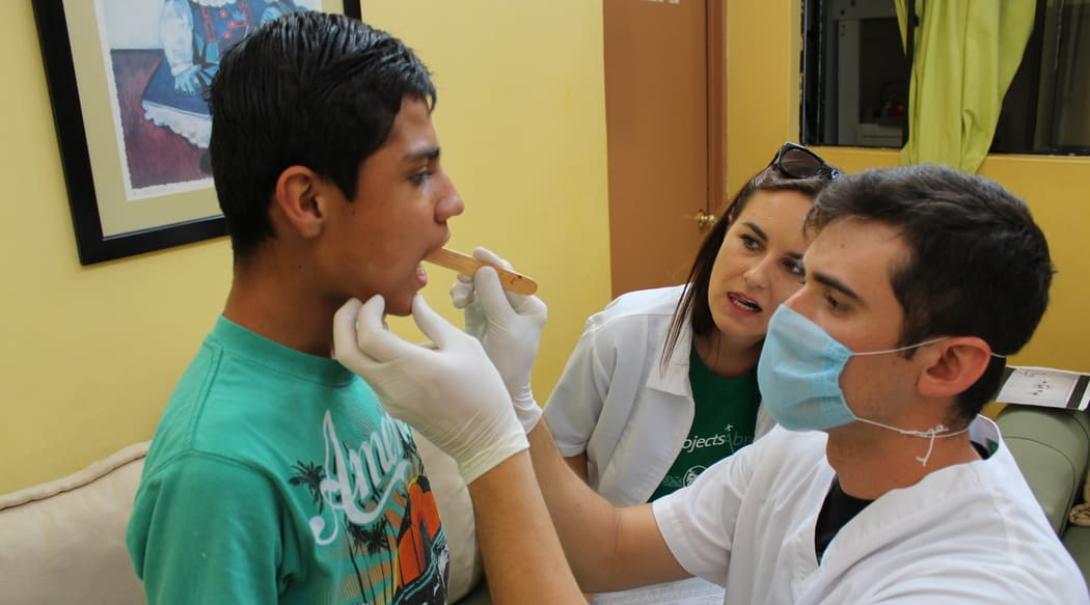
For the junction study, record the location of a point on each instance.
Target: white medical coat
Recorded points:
(969, 533)
(616, 402)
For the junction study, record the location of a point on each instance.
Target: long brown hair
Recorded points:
(693, 304)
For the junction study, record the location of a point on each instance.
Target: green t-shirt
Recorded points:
(277, 477)
(725, 420)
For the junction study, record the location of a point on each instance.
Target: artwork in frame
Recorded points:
(127, 80)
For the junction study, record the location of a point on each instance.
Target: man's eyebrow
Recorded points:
(760, 232)
(831, 282)
(427, 153)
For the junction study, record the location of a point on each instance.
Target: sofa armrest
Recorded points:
(64, 541)
(1051, 447)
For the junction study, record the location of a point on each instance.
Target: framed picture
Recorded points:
(127, 80)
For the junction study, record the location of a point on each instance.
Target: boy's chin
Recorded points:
(400, 305)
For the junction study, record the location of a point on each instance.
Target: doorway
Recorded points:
(664, 82)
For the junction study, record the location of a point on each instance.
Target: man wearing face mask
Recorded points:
(881, 484)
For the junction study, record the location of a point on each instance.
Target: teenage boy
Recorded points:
(275, 476)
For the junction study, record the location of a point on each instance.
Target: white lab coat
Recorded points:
(615, 402)
(969, 533)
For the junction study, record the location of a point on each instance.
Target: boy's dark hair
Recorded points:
(977, 263)
(309, 89)
(693, 306)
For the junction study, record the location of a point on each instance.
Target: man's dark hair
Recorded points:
(309, 89)
(977, 263)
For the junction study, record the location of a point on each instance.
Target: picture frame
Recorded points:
(126, 81)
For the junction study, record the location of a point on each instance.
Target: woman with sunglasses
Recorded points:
(663, 382)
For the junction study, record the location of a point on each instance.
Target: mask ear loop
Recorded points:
(915, 346)
(932, 433)
(930, 447)
(936, 432)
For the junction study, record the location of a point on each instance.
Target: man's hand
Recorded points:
(451, 393)
(509, 327)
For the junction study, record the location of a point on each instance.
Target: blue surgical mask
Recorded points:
(799, 378)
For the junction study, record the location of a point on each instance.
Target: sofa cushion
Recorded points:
(1051, 447)
(64, 541)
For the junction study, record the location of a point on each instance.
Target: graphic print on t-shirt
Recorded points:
(374, 503)
(724, 421)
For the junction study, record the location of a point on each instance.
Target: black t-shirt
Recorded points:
(839, 508)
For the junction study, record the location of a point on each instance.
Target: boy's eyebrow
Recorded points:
(831, 282)
(760, 232)
(427, 153)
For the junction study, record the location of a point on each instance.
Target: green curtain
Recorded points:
(966, 53)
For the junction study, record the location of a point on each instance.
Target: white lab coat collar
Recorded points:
(674, 377)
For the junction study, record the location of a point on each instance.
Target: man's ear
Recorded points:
(953, 366)
(297, 198)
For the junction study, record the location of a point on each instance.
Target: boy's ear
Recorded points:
(298, 199)
(953, 366)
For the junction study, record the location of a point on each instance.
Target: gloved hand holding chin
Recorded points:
(450, 392)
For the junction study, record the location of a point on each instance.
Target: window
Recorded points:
(856, 74)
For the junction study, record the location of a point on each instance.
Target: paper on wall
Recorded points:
(1045, 387)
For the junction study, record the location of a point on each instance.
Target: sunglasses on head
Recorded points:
(798, 162)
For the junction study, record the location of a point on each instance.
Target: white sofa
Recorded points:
(64, 541)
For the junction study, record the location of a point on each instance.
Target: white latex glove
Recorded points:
(451, 393)
(508, 325)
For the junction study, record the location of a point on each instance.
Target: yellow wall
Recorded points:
(521, 119)
(763, 42)
(91, 353)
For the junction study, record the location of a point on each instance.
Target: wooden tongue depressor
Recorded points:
(463, 263)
